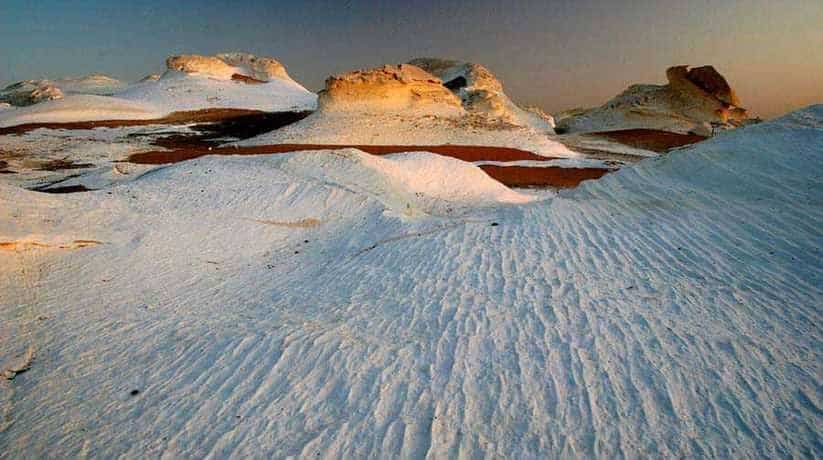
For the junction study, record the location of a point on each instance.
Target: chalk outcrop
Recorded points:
(226, 65)
(482, 93)
(391, 88)
(697, 100)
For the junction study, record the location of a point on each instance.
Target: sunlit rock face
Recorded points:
(481, 93)
(710, 81)
(224, 66)
(389, 88)
(697, 100)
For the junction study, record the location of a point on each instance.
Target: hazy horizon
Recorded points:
(555, 55)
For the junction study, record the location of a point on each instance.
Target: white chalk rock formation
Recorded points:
(225, 66)
(482, 93)
(403, 105)
(699, 100)
(391, 88)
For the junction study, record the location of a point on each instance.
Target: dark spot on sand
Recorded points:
(134, 392)
(64, 189)
(59, 164)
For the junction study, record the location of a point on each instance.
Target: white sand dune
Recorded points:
(80, 108)
(671, 309)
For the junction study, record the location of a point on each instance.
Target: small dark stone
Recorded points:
(305, 241)
(297, 252)
(135, 392)
(495, 224)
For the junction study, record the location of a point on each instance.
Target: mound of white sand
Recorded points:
(409, 182)
(277, 306)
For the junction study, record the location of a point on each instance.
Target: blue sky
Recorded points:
(556, 54)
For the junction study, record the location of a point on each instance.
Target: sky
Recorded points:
(553, 54)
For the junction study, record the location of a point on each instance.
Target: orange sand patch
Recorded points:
(512, 176)
(246, 79)
(552, 176)
(22, 245)
(651, 139)
(468, 153)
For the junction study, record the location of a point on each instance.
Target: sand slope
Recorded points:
(265, 306)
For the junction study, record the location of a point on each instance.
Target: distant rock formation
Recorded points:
(94, 84)
(224, 66)
(30, 92)
(389, 88)
(482, 93)
(697, 100)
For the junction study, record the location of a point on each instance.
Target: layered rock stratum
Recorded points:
(698, 100)
(481, 93)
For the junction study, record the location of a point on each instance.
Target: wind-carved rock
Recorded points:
(697, 100)
(389, 88)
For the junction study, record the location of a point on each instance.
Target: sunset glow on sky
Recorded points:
(555, 54)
